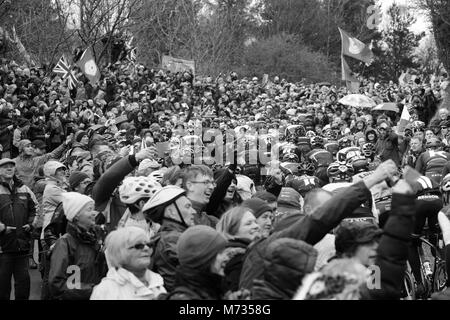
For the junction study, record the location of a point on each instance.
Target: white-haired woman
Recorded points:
(128, 253)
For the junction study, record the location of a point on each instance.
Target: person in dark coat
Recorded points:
(387, 146)
(286, 263)
(201, 255)
(346, 279)
(77, 263)
(313, 228)
(17, 211)
(6, 131)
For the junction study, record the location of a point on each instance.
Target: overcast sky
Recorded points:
(421, 25)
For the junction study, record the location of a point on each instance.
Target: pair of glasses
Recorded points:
(382, 129)
(206, 183)
(141, 246)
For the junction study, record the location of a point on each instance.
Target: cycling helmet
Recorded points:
(302, 184)
(317, 142)
(155, 206)
(306, 168)
(346, 154)
(360, 164)
(344, 143)
(368, 149)
(290, 157)
(433, 143)
(310, 134)
(339, 172)
(418, 126)
(332, 147)
(136, 188)
(330, 134)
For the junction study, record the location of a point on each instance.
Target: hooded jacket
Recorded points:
(17, 208)
(371, 130)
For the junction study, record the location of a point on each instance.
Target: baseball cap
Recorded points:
(6, 161)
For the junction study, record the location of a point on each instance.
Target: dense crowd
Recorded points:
(153, 185)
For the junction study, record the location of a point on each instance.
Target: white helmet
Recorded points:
(51, 166)
(154, 208)
(135, 188)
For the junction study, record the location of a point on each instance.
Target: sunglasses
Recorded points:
(141, 246)
(382, 129)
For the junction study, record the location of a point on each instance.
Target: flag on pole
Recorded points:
(354, 48)
(88, 66)
(404, 120)
(63, 68)
(349, 78)
(131, 51)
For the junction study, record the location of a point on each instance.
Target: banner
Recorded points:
(175, 65)
(89, 67)
(354, 48)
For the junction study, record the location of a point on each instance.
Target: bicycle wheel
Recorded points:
(440, 277)
(409, 287)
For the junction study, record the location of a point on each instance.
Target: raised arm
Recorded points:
(392, 252)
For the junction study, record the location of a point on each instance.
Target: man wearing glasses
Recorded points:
(387, 146)
(199, 183)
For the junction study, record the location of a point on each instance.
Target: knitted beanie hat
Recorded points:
(199, 245)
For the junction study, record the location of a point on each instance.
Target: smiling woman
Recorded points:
(128, 252)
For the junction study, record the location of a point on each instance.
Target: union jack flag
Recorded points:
(63, 68)
(131, 51)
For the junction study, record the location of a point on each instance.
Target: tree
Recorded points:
(439, 13)
(284, 55)
(102, 22)
(398, 46)
(40, 27)
(428, 59)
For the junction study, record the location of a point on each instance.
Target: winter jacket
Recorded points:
(311, 229)
(17, 208)
(51, 198)
(234, 266)
(217, 204)
(286, 263)
(392, 252)
(5, 134)
(79, 252)
(121, 284)
(387, 148)
(108, 201)
(165, 257)
(196, 285)
(201, 218)
(26, 167)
